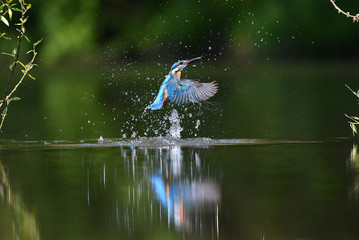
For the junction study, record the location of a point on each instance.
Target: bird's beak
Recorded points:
(192, 60)
(179, 68)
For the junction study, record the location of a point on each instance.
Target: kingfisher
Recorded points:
(182, 91)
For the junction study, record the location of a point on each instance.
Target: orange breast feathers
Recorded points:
(178, 74)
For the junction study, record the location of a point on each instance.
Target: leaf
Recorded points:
(16, 9)
(353, 127)
(21, 64)
(23, 21)
(4, 112)
(38, 42)
(11, 65)
(4, 20)
(28, 6)
(14, 99)
(10, 13)
(27, 38)
(31, 76)
(2, 35)
(8, 54)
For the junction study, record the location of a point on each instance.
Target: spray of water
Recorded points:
(175, 128)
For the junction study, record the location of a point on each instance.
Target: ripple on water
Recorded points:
(143, 142)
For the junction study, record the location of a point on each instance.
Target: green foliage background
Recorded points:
(101, 62)
(144, 29)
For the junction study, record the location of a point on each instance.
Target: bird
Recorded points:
(182, 91)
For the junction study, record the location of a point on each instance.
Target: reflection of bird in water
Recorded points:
(179, 198)
(182, 91)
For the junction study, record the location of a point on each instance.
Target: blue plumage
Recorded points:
(182, 91)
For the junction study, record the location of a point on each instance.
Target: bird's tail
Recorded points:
(158, 103)
(155, 105)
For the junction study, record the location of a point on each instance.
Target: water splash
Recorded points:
(175, 129)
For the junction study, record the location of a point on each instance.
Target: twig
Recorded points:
(354, 17)
(15, 63)
(356, 94)
(354, 121)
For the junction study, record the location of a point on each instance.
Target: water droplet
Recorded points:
(198, 122)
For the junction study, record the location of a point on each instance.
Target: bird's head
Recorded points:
(180, 65)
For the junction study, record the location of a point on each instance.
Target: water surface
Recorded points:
(288, 190)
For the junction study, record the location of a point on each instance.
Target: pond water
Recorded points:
(269, 157)
(247, 190)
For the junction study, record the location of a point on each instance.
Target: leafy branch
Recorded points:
(354, 121)
(354, 17)
(6, 10)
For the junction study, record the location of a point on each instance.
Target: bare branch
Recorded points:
(354, 17)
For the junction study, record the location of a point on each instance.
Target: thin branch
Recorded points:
(354, 17)
(21, 34)
(354, 121)
(3, 117)
(25, 73)
(356, 94)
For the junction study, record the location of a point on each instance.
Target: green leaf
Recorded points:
(28, 6)
(16, 9)
(31, 76)
(27, 38)
(4, 112)
(354, 128)
(11, 65)
(8, 54)
(10, 13)
(15, 99)
(21, 64)
(4, 20)
(23, 21)
(14, 51)
(2, 35)
(35, 44)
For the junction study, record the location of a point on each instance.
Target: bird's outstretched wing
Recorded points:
(187, 90)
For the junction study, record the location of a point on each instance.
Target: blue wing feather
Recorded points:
(183, 91)
(186, 91)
